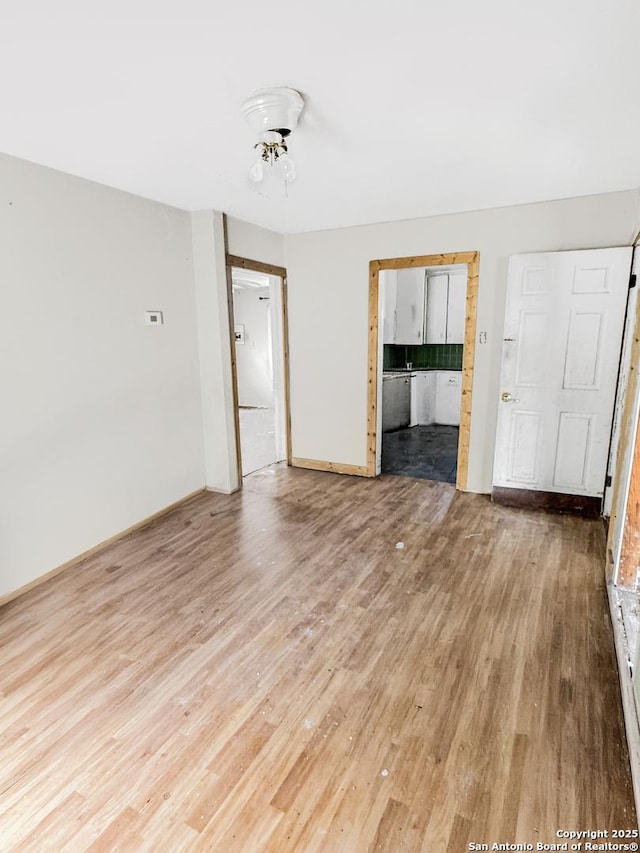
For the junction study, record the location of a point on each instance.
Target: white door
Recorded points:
(562, 336)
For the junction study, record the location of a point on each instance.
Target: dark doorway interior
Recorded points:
(424, 452)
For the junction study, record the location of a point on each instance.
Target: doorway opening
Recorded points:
(422, 319)
(257, 309)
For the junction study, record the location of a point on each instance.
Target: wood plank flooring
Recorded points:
(270, 671)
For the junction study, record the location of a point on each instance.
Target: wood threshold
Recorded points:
(332, 467)
(96, 549)
(472, 260)
(587, 507)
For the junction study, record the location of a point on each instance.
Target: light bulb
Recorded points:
(271, 137)
(256, 172)
(287, 168)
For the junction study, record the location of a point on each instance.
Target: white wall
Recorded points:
(246, 240)
(102, 416)
(328, 309)
(101, 420)
(214, 347)
(253, 357)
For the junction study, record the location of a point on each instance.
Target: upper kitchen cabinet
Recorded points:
(456, 308)
(446, 298)
(437, 294)
(423, 305)
(410, 307)
(389, 287)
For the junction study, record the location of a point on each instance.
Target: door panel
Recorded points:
(582, 359)
(526, 438)
(591, 280)
(561, 348)
(531, 349)
(572, 451)
(536, 280)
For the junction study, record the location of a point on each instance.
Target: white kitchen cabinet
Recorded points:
(448, 397)
(396, 401)
(446, 308)
(410, 306)
(456, 308)
(388, 282)
(413, 420)
(437, 294)
(423, 307)
(423, 400)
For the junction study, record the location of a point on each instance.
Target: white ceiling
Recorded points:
(248, 279)
(413, 108)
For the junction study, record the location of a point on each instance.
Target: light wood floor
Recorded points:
(267, 671)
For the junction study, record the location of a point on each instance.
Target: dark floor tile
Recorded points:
(423, 452)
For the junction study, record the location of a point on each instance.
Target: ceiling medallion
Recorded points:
(273, 114)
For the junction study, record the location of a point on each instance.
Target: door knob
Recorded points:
(507, 398)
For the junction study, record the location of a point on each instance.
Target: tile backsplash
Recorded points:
(442, 356)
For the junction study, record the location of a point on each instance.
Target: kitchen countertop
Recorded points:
(403, 371)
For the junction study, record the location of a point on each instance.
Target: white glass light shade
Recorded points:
(256, 173)
(287, 168)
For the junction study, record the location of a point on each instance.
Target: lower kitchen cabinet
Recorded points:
(448, 397)
(396, 401)
(436, 397)
(422, 398)
(423, 401)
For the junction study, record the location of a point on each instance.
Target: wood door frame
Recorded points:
(281, 273)
(472, 260)
(623, 550)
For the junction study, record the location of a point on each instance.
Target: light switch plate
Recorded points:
(153, 318)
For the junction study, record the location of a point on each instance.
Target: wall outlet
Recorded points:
(153, 318)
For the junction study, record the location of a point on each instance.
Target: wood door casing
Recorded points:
(472, 261)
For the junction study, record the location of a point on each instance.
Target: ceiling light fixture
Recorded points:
(273, 114)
